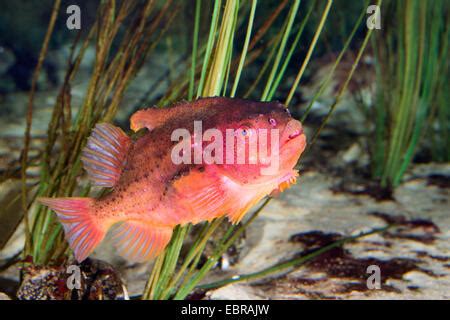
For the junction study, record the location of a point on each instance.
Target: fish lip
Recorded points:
(292, 130)
(291, 151)
(294, 140)
(296, 134)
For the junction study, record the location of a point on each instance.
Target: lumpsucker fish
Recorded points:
(198, 161)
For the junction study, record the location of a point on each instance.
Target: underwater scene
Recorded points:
(224, 150)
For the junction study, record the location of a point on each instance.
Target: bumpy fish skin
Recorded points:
(151, 194)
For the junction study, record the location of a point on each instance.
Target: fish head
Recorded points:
(268, 141)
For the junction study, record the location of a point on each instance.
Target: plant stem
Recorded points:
(29, 119)
(194, 49)
(245, 48)
(209, 46)
(327, 80)
(191, 282)
(347, 81)
(309, 53)
(196, 250)
(286, 33)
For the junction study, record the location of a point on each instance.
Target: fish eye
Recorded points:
(273, 122)
(245, 131)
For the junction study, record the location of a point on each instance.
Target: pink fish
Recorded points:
(152, 192)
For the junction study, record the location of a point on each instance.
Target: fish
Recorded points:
(194, 162)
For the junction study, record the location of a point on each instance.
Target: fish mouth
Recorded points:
(293, 143)
(296, 133)
(292, 133)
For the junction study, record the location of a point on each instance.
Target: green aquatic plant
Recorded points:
(439, 127)
(439, 120)
(411, 52)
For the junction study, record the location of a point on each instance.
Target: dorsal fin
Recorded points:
(105, 154)
(148, 118)
(153, 117)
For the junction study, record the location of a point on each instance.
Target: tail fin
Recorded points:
(82, 230)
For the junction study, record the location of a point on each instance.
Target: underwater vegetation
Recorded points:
(413, 55)
(257, 50)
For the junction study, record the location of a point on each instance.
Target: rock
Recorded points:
(234, 292)
(4, 296)
(90, 280)
(352, 154)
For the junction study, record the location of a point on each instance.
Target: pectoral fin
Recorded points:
(203, 194)
(243, 198)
